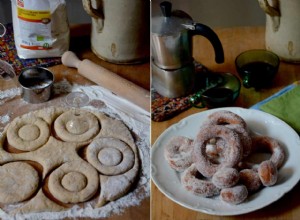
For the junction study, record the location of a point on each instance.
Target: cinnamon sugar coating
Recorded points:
(225, 177)
(178, 153)
(250, 179)
(268, 173)
(232, 151)
(268, 144)
(234, 122)
(234, 195)
(193, 182)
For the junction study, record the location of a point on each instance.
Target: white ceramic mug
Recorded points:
(283, 28)
(120, 29)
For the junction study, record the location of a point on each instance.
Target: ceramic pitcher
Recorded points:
(283, 28)
(120, 29)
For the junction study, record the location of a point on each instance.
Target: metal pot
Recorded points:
(171, 37)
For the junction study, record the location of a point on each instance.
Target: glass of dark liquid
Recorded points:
(257, 68)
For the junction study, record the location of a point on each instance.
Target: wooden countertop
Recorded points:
(80, 44)
(234, 40)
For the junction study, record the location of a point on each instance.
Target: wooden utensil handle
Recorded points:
(109, 80)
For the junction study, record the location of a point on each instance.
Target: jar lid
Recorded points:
(172, 22)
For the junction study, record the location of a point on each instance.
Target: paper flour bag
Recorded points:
(41, 28)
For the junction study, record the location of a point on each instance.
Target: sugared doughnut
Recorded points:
(235, 122)
(245, 139)
(193, 182)
(268, 144)
(225, 177)
(232, 153)
(178, 153)
(250, 179)
(225, 117)
(217, 161)
(234, 195)
(268, 173)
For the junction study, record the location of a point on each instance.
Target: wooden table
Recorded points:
(234, 40)
(80, 44)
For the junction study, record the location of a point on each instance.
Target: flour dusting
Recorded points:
(141, 133)
(6, 95)
(4, 119)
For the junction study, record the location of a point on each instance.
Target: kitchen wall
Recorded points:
(218, 13)
(215, 13)
(75, 9)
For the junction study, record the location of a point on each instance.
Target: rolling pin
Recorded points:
(108, 80)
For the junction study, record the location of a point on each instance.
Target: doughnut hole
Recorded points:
(74, 181)
(29, 132)
(250, 179)
(225, 178)
(268, 173)
(234, 195)
(77, 126)
(110, 156)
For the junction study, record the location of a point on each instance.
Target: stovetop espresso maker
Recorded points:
(172, 63)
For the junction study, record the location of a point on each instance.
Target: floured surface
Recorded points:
(15, 107)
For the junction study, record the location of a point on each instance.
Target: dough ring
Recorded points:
(268, 144)
(201, 187)
(232, 154)
(178, 153)
(19, 181)
(76, 126)
(110, 156)
(28, 133)
(74, 182)
(234, 122)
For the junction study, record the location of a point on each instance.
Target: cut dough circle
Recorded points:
(73, 182)
(68, 176)
(28, 133)
(110, 156)
(19, 181)
(76, 126)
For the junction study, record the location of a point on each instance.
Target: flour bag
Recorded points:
(41, 28)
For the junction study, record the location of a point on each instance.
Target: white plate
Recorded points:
(168, 180)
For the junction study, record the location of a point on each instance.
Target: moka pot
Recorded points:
(173, 72)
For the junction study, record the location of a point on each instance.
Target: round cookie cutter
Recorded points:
(36, 83)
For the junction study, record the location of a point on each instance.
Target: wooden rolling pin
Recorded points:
(108, 80)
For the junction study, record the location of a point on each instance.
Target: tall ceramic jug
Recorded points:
(283, 28)
(120, 29)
